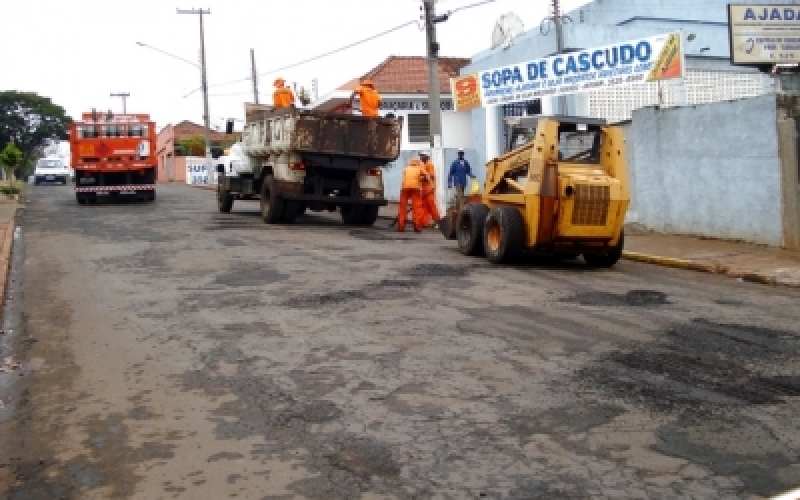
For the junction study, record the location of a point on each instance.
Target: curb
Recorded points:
(5, 256)
(752, 277)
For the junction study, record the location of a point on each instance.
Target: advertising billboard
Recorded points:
(764, 34)
(636, 61)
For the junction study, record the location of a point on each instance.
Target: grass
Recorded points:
(11, 190)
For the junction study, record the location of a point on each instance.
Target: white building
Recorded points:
(709, 76)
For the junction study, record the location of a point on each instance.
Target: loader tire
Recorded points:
(469, 229)
(224, 200)
(609, 259)
(271, 204)
(503, 235)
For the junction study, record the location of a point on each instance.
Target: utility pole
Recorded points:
(255, 76)
(207, 127)
(562, 100)
(123, 95)
(434, 106)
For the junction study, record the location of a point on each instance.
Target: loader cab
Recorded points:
(579, 137)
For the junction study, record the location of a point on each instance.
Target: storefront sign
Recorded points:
(637, 61)
(764, 34)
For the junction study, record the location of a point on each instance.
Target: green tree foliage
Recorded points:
(10, 158)
(193, 146)
(28, 120)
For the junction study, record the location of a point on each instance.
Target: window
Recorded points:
(419, 128)
(135, 131)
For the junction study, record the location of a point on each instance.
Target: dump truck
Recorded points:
(113, 155)
(294, 159)
(561, 189)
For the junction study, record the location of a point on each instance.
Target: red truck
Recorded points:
(113, 155)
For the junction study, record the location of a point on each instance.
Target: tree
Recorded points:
(10, 158)
(28, 120)
(193, 146)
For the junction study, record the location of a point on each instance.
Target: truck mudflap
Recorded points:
(115, 189)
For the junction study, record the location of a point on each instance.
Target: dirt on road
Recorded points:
(169, 351)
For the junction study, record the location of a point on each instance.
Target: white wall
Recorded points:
(711, 170)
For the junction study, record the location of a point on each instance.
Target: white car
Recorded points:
(51, 170)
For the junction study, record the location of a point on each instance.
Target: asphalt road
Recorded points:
(169, 351)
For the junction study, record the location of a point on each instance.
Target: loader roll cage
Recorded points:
(579, 138)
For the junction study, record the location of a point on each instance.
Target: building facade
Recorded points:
(173, 166)
(709, 76)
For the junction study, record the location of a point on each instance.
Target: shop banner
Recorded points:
(637, 61)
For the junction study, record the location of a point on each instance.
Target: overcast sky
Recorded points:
(77, 52)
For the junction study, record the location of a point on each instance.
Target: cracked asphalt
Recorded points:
(169, 351)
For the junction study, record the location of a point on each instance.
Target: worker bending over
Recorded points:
(369, 97)
(410, 190)
(428, 185)
(283, 97)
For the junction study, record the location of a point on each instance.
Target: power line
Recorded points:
(340, 49)
(320, 56)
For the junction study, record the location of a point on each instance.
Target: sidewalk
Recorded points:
(748, 262)
(8, 212)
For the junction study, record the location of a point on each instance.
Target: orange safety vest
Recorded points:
(370, 101)
(411, 176)
(431, 171)
(283, 97)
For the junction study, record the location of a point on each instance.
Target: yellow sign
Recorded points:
(466, 92)
(669, 63)
(764, 34)
(86, 149)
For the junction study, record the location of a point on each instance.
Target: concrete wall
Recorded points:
(712, 170)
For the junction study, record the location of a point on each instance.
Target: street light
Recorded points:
(206, 118)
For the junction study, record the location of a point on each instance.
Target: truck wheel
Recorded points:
(224, 200)
(81, 199)
(290, 211)
(609, 259)
(503, 234)
(352, 214)
(369, 215)
(271, 206)
(469, 229)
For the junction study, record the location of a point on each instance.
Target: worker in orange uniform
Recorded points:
(428, 190)
(283, 97)
(369, 97)
(411, 190)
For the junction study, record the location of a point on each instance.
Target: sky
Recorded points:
(78, 52)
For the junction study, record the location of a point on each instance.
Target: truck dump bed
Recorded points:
(331, 140)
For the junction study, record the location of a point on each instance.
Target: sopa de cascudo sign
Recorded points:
(636, 61)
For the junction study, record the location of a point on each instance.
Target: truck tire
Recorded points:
(503, 234)
(224, 199)
(80, 199)
(352, 214)
(469, 229)
(290, 211)
(609, 259)
(271, 205)
(369, 215)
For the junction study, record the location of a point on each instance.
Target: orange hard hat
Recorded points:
(279, 82)
(368, 83)
(415, 162)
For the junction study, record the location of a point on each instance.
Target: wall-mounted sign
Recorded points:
(637, 61)
(764, 34)
(419, 105)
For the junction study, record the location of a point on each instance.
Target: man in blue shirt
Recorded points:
(459, 171)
